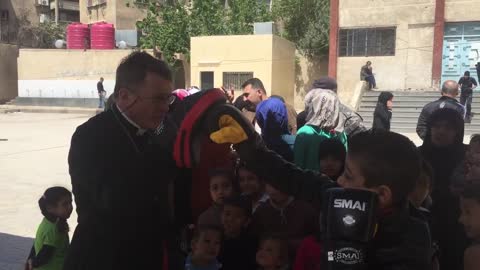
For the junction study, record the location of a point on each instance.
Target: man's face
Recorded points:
(149, 102)
(353, 178)
(252, 95)
(443, 134)
(470, 217)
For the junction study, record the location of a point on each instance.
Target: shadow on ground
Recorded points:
(14, 251)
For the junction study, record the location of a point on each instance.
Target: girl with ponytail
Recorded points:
(51, 241)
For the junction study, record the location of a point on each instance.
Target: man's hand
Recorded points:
(229, 93)
(230, 131)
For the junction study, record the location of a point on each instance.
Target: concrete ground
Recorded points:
(33, 157)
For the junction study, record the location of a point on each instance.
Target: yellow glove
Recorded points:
(230, 131)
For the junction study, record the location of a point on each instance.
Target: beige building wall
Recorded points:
(283, 69)
(231, 54)
(461, 10)
(411, 66)
(306, 72)
(8, 72)
(113, 11)
(98, 13)
(38, 64)
(127, 16)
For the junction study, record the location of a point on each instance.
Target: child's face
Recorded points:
(207, 246)
(234, 220)
(63, 209)
(249, 182)
(443, 134)
(352, 177)
(331, 166)
(470, 217)
(220, 188)
(276, 195)
(269, 255)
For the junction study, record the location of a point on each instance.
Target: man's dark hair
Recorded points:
(256, 84)
(240, 201)
(467, 73)
(133, 70)
(472, 190)
(101, 78)
(387, 158)
(369, 62)
(201, 229)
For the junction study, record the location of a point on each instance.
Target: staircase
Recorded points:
(407, 106)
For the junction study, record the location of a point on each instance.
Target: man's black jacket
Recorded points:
(442, 103)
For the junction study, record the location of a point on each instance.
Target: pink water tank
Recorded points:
(102, 36)
(78, 35)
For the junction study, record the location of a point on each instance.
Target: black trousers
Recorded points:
(466, 100)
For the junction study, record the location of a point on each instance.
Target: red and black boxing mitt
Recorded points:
(208, 114)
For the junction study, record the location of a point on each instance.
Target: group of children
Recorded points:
(255, 222)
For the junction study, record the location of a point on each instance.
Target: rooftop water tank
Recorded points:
(78, 36)
(102, 36)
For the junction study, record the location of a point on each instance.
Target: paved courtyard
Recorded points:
(33, 156)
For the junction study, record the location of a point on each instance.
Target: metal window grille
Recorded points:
(236, 79)
(367, 42)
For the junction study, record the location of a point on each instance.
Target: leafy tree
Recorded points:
(169, 25)
(243, 13)
(168, 28)
(306, 23)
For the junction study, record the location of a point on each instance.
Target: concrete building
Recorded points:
(123, 14)
(15, 12)
(413, 44)
(231, 60)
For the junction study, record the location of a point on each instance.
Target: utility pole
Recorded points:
(57, 11)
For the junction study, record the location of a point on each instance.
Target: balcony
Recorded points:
(65, 5)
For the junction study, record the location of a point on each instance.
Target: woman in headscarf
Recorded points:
(443, 148)
(272, 117)
(383, 112)
(322, 108)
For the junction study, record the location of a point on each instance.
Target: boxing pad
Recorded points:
(202, 114)
(348, 224)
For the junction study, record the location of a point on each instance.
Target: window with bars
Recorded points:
(236, 79)
(367, 42)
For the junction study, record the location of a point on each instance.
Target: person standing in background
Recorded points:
(383, 112)
(467, 84)
(101, 94)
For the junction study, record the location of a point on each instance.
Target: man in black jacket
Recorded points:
(467, 84)
(449, 93)
(122, 169)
